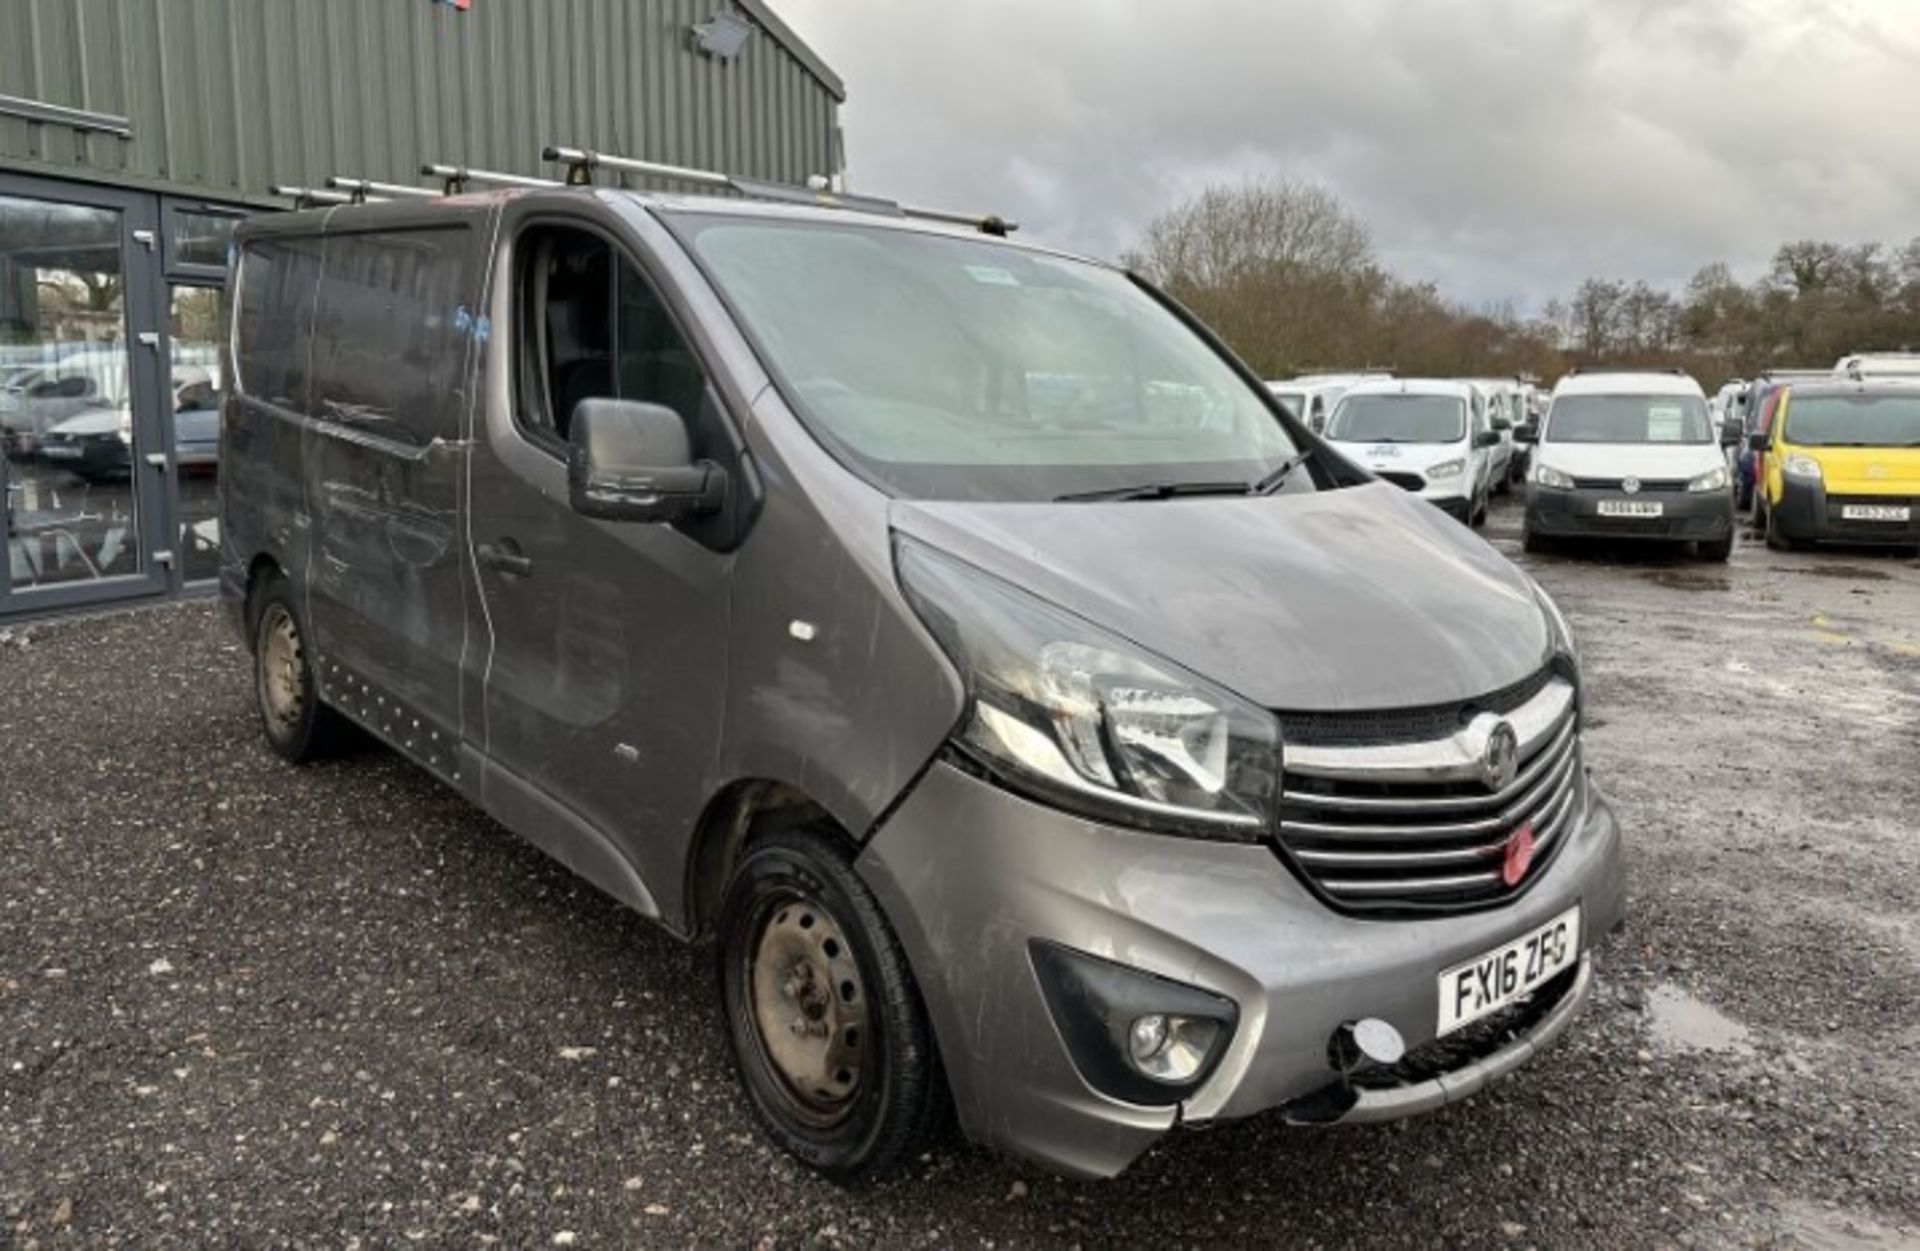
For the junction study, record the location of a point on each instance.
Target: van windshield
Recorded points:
(1854, 420)
(954, 368)
(1399, 419)
(1629, 419)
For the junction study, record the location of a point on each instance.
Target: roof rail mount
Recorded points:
(454, 178)
(1628, 369)
(582, 162)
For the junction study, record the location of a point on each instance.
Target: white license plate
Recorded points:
(1631, 508)
(1875, 512)
(1487, 983)
(60, 453)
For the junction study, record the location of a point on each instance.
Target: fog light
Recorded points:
(1148, 1036)
(1171, 1049)
(1131, 1034)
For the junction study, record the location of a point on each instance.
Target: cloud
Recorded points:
(1502, 148)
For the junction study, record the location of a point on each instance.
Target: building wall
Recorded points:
(229, 97)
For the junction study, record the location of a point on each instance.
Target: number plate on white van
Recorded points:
(1875, 512)
(1490, 982)
(1631, 508)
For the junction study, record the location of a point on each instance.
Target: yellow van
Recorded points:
(1843, 464)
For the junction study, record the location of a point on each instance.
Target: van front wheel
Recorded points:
(828, 1028)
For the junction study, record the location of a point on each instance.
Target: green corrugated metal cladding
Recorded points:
(229, 97)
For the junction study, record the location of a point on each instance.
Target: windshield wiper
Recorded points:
(1278, 477)
(1153, 491)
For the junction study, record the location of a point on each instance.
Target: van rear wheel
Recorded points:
(298, 726)
(828, 1029)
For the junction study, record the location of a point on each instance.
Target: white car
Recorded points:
(1631, 455)
(1432, 437)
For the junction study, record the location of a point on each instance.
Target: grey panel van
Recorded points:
(1046, 729)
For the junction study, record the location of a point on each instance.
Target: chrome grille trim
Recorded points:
(1361, 887)
(1416, 825)
(1455, 758)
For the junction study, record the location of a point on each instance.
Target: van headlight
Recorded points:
(1798, 466)
(1714, 479)
(1447, 469)
(1558, 631)
(1084, 719)
(1547, 476)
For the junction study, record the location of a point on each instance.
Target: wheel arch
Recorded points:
(738, 813)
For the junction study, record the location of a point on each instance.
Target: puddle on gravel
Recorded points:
(1680, 1022)
(1689, 580)
(1859, 573)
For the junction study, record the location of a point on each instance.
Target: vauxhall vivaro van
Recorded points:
(1039, 720)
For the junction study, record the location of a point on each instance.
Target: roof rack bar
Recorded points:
(361, 188)
(454, 178)
(581, 162)
(311, 197)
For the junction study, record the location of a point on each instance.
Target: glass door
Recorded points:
(81, 456)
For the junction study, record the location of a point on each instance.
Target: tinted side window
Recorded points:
(279, 279)
(389, 342)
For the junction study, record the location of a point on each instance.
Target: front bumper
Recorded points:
(1806, 511)
(1685, 515)
(970, 874)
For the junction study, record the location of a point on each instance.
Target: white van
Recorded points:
(1313, 397)
(1631, 455)
(1878, 365)
(1433, 437)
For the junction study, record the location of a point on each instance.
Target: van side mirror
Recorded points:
(1526, 432)
(1487, 438)
(1757, 440)
(630, 461)
(1732, 432)
(1502, 424)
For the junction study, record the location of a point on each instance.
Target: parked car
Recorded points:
(1756, 412)
(1320, 393)
(1506, 411)
(79, 381)
(1864, 365)
(98, 445)
(1428, 436)
(1099, 758)
(1631, 455)
(1842, 464)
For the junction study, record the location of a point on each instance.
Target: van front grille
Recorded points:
(1405, 481)
(1651, 485)
(1425, 826)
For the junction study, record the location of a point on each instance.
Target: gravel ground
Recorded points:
(243, 1004)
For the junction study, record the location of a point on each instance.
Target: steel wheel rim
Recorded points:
(809, 1007)
(283, 683)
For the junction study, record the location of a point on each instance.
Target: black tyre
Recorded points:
(1477, 511)
(298, 726)
(1535, 543)
(1718, 550)
(1777, 538)
(831, 1037)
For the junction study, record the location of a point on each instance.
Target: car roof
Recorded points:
(1413, 386)
(1626, 383)
(415, 212)
(1828, 388)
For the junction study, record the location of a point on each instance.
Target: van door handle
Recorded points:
(506, 557)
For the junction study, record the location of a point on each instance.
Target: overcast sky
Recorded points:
(1504, 149)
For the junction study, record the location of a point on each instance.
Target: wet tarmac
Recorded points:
(247, 1005)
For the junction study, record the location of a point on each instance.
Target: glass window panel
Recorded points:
(386, 351)
(195, 391)
(199, 238)
(65, 402)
